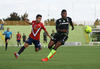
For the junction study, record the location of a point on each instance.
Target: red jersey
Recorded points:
(18, 36)
(36, 29)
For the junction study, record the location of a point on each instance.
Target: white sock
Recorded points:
(17, 54)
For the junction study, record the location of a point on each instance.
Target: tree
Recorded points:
(50, 22)
(97, 22)
(13, 17)
(25, 16)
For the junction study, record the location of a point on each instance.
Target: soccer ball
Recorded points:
(88, 29)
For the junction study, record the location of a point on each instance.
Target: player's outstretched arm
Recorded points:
(28, 21)
(71, 23)
(72, 26)
(46, 31)
(48, 35)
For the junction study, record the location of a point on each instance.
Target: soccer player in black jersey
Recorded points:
(62, 28)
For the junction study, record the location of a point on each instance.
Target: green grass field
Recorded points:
(80, 57)
(73, 57)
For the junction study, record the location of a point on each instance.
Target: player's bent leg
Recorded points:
(7, 40)
(37, 49)
(21, 50)
(51, 43)
(20, 43)
(58, 44)
(26, 45)
(6, 44)
(17, 44)
(53, 51)
(37, 45)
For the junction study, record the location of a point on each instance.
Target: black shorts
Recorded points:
(35, 42)
(18, 41)
(7, 39)
(24, 40)
(61, 37)
(45, 39)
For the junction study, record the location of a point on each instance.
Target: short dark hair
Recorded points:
(63, 11)
(38, 16)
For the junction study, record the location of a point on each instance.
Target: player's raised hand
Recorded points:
(26, 20)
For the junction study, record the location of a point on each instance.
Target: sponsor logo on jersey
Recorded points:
(64, 23)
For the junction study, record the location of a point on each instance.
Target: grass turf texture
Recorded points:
(81, 57)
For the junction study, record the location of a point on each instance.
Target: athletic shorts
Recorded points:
(6, 39)
(18, 40)
(35, 42)
(45, 39)
(60, 37)
(24, 40)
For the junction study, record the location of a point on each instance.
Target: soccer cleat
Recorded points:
(15, 54)
(44, 59)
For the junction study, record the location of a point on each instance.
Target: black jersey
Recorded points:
(44, 35)
(24, 37)
(63, 23)
(52, 34)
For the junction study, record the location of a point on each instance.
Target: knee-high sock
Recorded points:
(19, 43)
(21, 50)
(6, 46)
(51, 54)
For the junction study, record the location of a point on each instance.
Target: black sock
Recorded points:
(55, 48)
(50, 47)
(6, 46)
(21, 50)
(20, 44)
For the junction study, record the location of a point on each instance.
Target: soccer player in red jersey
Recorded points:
(34, 37)
(18, 37)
